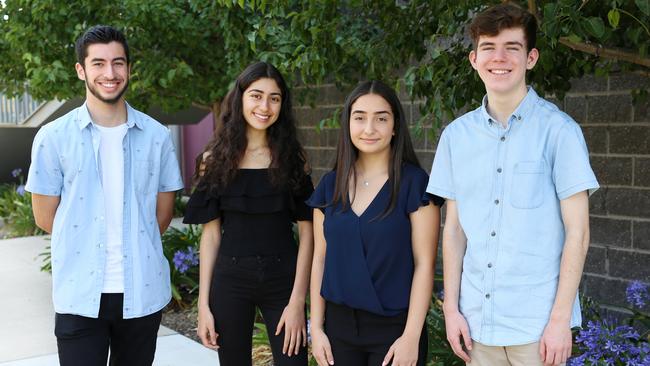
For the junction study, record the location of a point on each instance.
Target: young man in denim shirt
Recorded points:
(103, 179)
(516, 176)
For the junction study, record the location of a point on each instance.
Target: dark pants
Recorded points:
(360, 338)
(85, 341)
(239, 285)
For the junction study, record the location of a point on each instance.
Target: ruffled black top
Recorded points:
(256, 217)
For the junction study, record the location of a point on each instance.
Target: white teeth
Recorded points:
(500, 72)
(261, 116)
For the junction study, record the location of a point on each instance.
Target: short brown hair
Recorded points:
(493, 20)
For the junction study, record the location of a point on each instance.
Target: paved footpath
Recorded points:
(27, 316)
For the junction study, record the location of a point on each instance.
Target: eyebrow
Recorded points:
(261, 91)
(364, 112)
(113, 60)
(511, 43)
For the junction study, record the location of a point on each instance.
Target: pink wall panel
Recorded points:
(194, 138)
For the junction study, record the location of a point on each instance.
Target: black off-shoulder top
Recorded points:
(256, 217)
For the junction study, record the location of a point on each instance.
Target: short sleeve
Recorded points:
(170, 174)
(441, 180)
(301, 211)
(417, 195)
(319, 198)
(202, 207)
(45, 173)
(571, 170)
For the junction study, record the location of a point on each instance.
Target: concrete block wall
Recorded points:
(617, 132)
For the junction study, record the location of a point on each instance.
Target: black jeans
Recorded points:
(239, 285)
(360, 338)
(85, 341)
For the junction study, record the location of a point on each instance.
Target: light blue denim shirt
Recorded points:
(65, 163)
(507, 184)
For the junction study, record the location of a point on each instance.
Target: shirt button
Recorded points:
(519, 118)
(489, 265)
(493, 233)
(499, 170)
(496, 202)
(487, 296)
(503, 138)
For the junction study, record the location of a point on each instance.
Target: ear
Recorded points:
(472, 59)
(531, 60)
(81, 73)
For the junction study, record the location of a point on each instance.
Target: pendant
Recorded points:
(365, 183)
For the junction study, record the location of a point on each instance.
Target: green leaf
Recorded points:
(644, 6)
(614, 16)
(595, 26)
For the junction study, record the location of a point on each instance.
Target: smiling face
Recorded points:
(261, 103)
(371, 124)
(502, 60)
(105, 71)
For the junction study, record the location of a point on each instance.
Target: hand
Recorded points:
(457, 328)
(205, 328)
(295, 332)
(320, 347)
(403, 352)
(555, 345)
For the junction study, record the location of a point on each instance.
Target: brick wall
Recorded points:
(618, 136)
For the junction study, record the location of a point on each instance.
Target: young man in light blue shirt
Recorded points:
(103, 179)
(516, 176)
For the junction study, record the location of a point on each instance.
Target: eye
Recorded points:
(256, 96)
(276, 99)
(97, 64)
(383, 119)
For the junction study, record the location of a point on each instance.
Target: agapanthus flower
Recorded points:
(184, 259)
(637, 294)
(21, 189)
(16, 172)
(606, 344)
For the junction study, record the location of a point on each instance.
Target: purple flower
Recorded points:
(21, 189)
(602, 343)
(184, 259)
(637, 294)
(16, 172)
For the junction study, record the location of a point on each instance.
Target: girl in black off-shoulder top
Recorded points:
(251, 189)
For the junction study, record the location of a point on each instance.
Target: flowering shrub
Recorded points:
(181, 248)
(603, 342)
(16, 208)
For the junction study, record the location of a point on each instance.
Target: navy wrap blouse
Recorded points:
(369, 260)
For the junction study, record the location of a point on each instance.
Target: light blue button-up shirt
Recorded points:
(507, 184)
(65, 163)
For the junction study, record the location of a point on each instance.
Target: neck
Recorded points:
(105, 114)
(501, 106)
(256, 139)
(373, 164)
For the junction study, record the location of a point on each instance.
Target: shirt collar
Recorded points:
(520, 113)
(83, 117)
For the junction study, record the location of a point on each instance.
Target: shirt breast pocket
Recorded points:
(145, 176)
(528, 184)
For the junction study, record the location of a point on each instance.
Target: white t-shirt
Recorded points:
(111, 157)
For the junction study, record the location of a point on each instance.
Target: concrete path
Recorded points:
(27, 316)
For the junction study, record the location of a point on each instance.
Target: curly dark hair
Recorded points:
(222, 155)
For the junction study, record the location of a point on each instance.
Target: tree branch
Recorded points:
(609, 53)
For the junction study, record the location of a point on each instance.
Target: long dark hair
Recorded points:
(347, 154)
(228, 145)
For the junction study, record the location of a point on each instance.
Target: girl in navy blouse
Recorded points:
(375, 240)
(252, 187)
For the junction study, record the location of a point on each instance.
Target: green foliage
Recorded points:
(184, 274)
(16, 209)
(188, 52)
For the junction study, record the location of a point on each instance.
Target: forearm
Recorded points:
(317, 303)
(44, 209)
(209, 249)
(454, 244)
(164, 209)
(303, 263)
(420, 299)
(571, 266)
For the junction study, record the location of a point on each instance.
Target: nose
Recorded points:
(499, 53)
(109, 72)
(265, 104)
(369, 127)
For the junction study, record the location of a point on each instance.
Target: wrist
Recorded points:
(559, 318)
(296, 301)
(450, 308)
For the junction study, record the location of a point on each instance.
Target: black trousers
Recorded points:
(239, 285)
(85, 341)
(361, 338)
